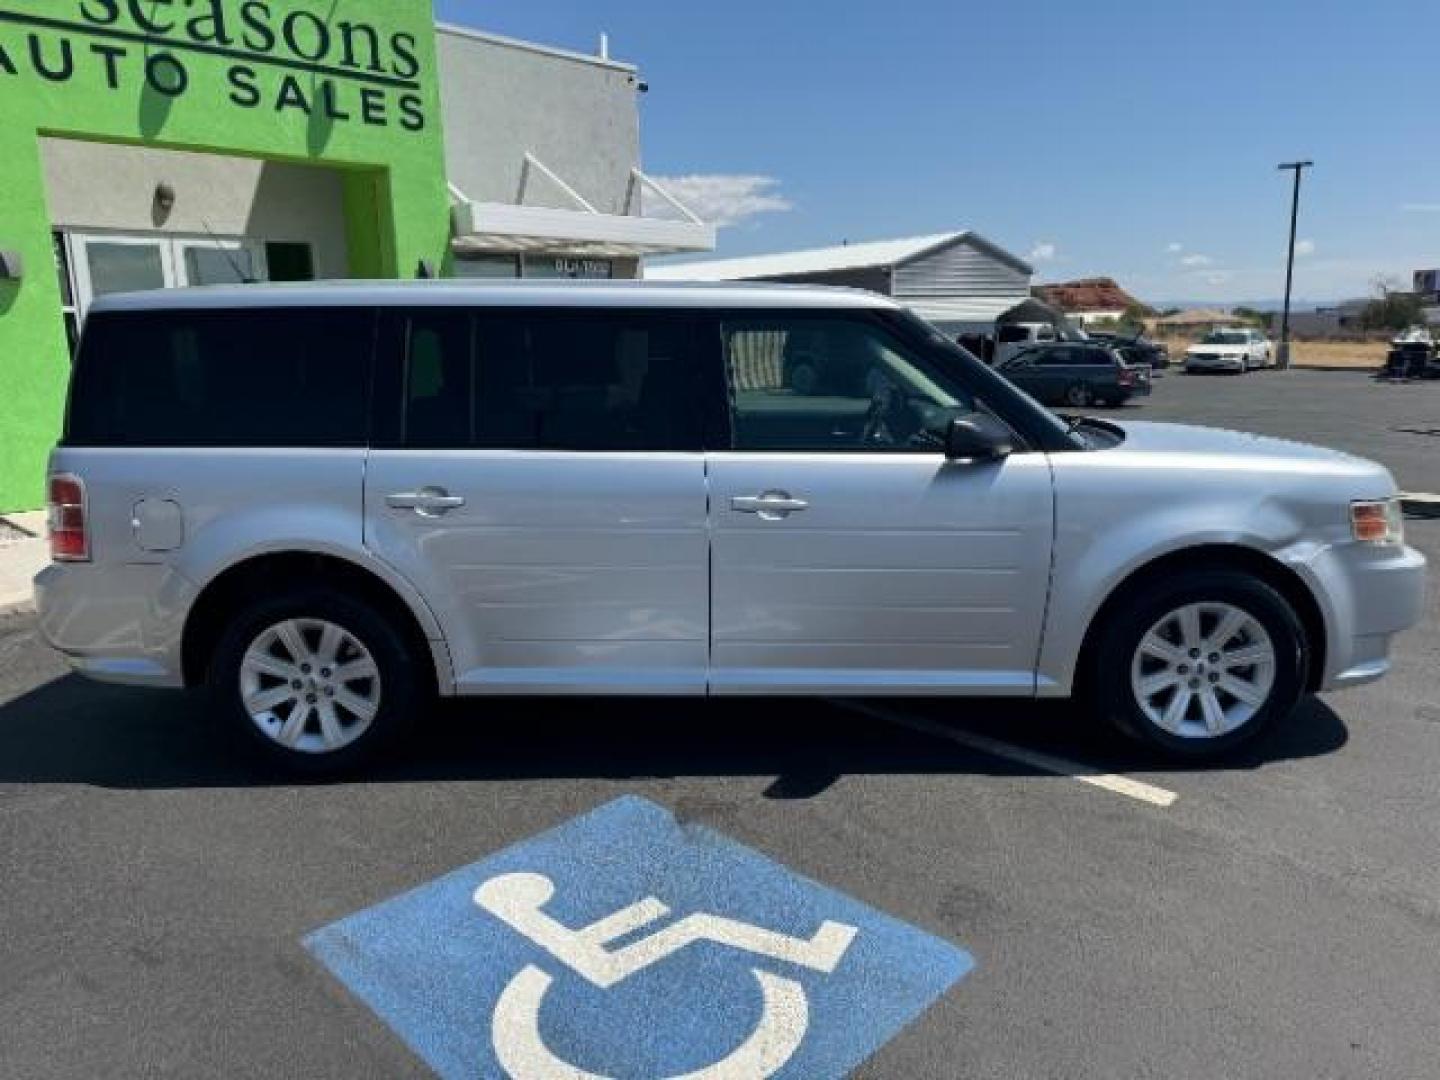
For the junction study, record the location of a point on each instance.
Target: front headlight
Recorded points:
(1378, 521)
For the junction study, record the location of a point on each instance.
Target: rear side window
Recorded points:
(284, 377)
(539, 380)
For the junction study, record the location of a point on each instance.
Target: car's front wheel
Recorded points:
(318, 680)
(1201, 663)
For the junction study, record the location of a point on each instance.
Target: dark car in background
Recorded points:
(1077, 373)
(1134, 350)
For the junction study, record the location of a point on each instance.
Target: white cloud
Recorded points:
(727, 199)
(1043, 251)
(1421, 208)
(1196, 260)
(1217, 279)
(1174, 248)
(1304, 248)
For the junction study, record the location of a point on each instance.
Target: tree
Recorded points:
(1254, 315)
(1393, 311)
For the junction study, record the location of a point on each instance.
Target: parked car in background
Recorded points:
(1412, 355)
(1134, 350)
(996, 345)
(1077, 373)
(611, 490)
(1236, 349)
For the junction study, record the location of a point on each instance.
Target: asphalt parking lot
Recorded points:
(1275, 916)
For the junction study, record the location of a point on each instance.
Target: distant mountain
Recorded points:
(1298, 304)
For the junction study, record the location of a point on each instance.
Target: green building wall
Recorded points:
(348, 84)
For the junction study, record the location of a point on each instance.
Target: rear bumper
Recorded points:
(118, 624)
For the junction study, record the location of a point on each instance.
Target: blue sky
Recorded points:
(1134, 138)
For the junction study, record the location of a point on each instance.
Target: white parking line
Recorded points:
(1086, 774)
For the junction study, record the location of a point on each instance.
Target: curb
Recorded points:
(1420, 505)
(16, 606)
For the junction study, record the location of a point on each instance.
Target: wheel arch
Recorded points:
(1274, 573)
(262, 573)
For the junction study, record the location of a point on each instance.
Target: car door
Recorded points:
(537, 475)
(845, 562)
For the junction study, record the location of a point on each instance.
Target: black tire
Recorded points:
(1078, 395)
(1108, 679)
(402, 689)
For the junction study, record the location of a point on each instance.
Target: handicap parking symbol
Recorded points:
(624, 944)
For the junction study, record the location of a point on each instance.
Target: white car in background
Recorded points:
(1236, 350)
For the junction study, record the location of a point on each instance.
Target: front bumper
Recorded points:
(1372, 593)
(118, 624)
(1214, 363)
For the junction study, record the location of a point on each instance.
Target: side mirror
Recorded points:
(977, 437)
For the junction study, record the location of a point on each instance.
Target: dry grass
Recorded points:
(1360, 355)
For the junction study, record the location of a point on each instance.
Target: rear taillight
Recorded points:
(1127, 378)
(69, 533)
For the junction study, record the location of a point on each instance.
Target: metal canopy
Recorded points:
(490, 227)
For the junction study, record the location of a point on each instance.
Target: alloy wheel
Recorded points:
(310, 685)
(1203, 670)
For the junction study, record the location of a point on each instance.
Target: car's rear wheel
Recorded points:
(1079, 395)
(319, 681)
(1200, 664)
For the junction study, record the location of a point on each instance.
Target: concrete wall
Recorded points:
(101, 186)
(501, 99)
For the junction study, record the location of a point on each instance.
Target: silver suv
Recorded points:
(330, 502)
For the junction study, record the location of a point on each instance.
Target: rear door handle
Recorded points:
(427, 502)
(771, 506)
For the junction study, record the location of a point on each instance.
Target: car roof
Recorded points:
(465, 293)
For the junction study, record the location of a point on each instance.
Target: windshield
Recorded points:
(1226, 337)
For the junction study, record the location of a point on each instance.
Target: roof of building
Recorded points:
(875, 253)
(1086, 294)
(456, 30)
(488, 293)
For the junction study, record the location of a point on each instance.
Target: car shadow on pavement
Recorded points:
(72, 731)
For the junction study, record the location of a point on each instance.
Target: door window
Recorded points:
(547, 381)
(1057, 357)
(801, 383)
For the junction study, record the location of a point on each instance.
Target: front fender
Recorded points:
(1099, 546)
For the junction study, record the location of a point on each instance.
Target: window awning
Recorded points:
(490, 227)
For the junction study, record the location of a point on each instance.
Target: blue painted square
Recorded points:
(438, 964)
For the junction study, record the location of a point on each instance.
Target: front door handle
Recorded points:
(771, 506)
(427, 502)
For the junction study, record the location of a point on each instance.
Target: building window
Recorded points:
(487, 266)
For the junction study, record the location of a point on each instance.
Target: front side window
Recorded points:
(542, 380)
(833, 384)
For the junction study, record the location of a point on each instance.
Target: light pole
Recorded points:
(1298, 167)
